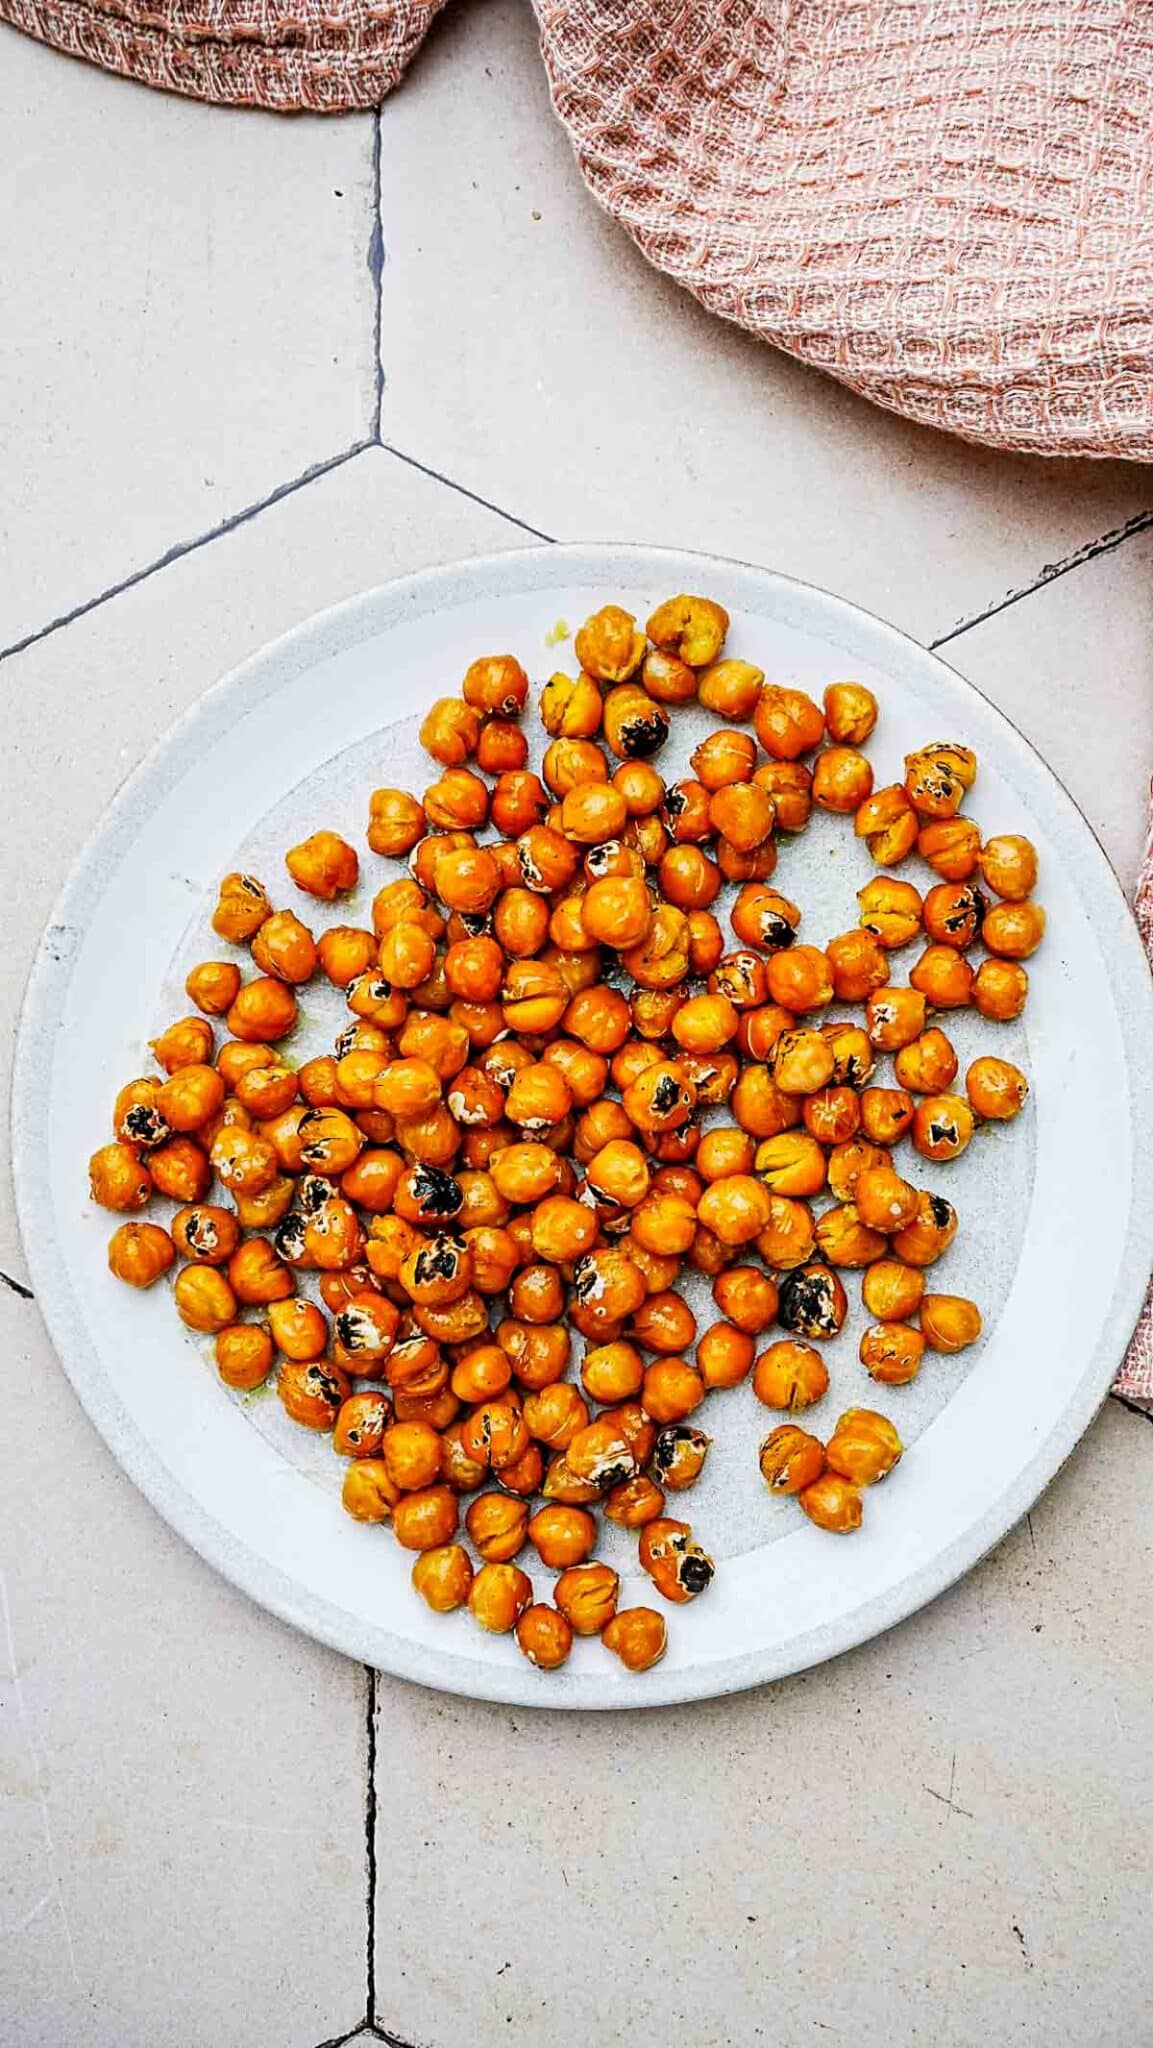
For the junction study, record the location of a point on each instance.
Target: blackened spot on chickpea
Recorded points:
(806, 1303)
(356, 1329)
(776, 932)
(695, 1572)
(344, 1041)
(666, 1095)
(438, 1261)
(437, 1193)
(145, 1126)
(477, 923)
(668, 1444)
(675, 803)
(585, 1280)
(289, 1237)
(644, 735)
(320, 1382)
(313, 1190)
(941, 1211)
(943, 1133)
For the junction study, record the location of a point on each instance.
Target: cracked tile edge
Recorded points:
(182, 548)
(438, 477)
(1090, 551)
(376, 273)
(16, 1287)
(372, 1701)
(1134, 1407)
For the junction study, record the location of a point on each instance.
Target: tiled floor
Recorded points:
(942, 1837)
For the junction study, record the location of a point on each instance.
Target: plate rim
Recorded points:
(247, 1569)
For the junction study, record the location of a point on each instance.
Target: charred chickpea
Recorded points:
(832, 1503)
(544, 1636)
(931, 1232)
(140, 1253)
(212, 986)
(949, 1322)
(360, 1425)
(677, 1565)
(891, 1353)
(204, 1299)
(1009, 866)
(886, 1114)
(944, 977)
(790, 1459)
(789, 1375)
(638, 1636)
(894, 1017)
(443, 1577)
(1000, 990)
(996, 1088)
(498, 1597)
(952, 914)
(497, 1526)
(1013, 931)
(928, 1064)
(635, 727)
(679, 1456)
(686, 812)
(842, 779)
(118, 1178)
(368, 1494)
(241, 908)
(942, 1126)
(937, 776)
(812, 1302)
(864, 1447)
(888, 824)
(787, 722)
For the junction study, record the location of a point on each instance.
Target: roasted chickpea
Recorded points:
(890, 911)
(790, 1375)
(1000, 990)
(241, 908)
(450, 731)
(187, 1043)
(928, 1064)
(298, 1328)
(1009, 866)
(634, 1502)
(801, 979)
(888, 824)
(635, 727)
(942, 1126)
(664, 1223)
(723, 759)
(244, 1355)
(788, 1237)
(864, 1447)
(858, 964)
(1013, 931)
(790, 1459)
(212, 986)
(731, 689)
(884, 1201)
(937, 776)
(443, 1577)
(499, 1596)
(791, 1163)
(679, 1456)
(544, 1636)
(638, 1636)
(264, 1011)
(886, 1114)
(735, 1209)
(692, 628)
(894, 1017)
(812, 1301)
(368, 1494)
(257, 1275)
(788, 723)
(664, 1323)
(949, 1322)
(842, 779)
(673, 1389)
(832, 1503)
(118, 1178)
(497, 1525)
(891, 1353)
(140, 1253)
(951, 847)
(724, 1355)
(892, 1291)
(847, 1162)
(427, 1519)
(204, 1300)
(996, 1089)
(845, 1239)
(688, 878)
(832, 1115)
(850, 713)
(944, 977)
(931, 1232)
(502, 748)
(790, 784)
(801, 1061)
(676, 1563)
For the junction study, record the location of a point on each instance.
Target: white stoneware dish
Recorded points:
(1056, 1211)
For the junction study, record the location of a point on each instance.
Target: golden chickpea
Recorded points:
(891, 1353)
(672, 1390)
(212, 986)
(257, 1275)
(118, 1178)
(894, 1017)
(241, 908)
(812, 1302)
(931, 1232)
(204, 1300)
(187, 1043)
(850, 713)
(428, 1519)
(450, 731)
(859, 965)
(324, 865)
(832, 1115)
(586, 1594)
(790, 1459)
(884, 1201)
(496, 685)
(1013, 931)
(664, 1323)
(888, 824)
(692, 628)
(676, 1563)
(689, 879)
(847, 1162)
(1000, 990)
(844, 1239)
(554, 1413)
(724, 1151)
(499, 1596)
(801, 1061)
(742, 814)
(443, 1577)
(951, 847)
(724, 1355)
(395, 822)
(1009, 866)
(368, 1494)
(299, 1328)
(842, 779)
(792, 1163)
(360, 1426)
(949, 1322)
(886, 1114)
(942, 1126)
(562, 1536)
(788, 723)
(634, 1503)
(736, 1209)
(801, 979)
(244, 1355)
(944, 977)
(996, 1088)
(264, 1011)
(609, 646)
(937, 776)
(140, 1253)
(892, 1291)
(544, 1636)
(612, 1372)
(791, 1376)
(864, 1446)
(284, 947)
(890, 911)
(731, 689)
(928, 1064)
(832, 1503)
(638, 1636)
(497, 1526)
(571, 706)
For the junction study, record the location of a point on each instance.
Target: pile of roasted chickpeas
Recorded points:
(560, 1085)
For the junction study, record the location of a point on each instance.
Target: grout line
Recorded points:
(339, 2040)
(370, 1845)
(475, 497)
(189, 547)
(376, 272)
(17, 1287)
(1140, 523)
(1134, 1407)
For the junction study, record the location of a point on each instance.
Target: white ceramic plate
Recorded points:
(1056, 1210)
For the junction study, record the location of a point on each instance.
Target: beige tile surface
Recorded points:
(530, 352)
(940, 1839)
(186, 319)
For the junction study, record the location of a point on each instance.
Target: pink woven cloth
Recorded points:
(946, 204)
